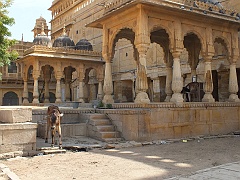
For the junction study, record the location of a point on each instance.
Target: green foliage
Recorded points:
(109, 106)
(100, 104)
(6, 56)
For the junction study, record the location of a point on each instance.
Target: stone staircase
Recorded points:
(100, 127)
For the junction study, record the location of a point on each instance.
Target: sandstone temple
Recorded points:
(156, 69)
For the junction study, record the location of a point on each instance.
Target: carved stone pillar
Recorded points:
(156, 89)
(35, 87)
(133, 87)
(177, 83)
(108, 84)
(81, 95)
(25, 92)
(58, 77)
(100, 90)
(46, 91)
(68, 76)
(47, 76)
(233, 83)
(168, 88)
(67, 90)
(208, 85)
(141, 78)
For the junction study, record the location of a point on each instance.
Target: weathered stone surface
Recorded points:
(17, 137)
(16, 115)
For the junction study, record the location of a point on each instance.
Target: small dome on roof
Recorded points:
(42, 39)
(84, 44)
(64, 41)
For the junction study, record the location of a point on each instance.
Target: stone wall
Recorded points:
(146, 124)
(17, 132)
(17, 137)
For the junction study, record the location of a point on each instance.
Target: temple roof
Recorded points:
(211, 8)
(64, 41)
(42, 39)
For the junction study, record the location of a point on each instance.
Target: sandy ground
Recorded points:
(136, 163)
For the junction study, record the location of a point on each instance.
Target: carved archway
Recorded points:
(10, 99)
(193, 45)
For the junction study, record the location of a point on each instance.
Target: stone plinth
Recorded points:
(169, 121)
(15, 115)
(17, 137)
(68, 130)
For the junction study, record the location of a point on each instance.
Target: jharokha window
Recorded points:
(12, 67)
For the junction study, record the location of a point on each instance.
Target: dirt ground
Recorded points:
(135, 163)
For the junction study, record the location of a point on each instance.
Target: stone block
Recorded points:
(202, 115)
(230, 115)
(186, 131)
(200, 129)
(162, 133)
(177, 131)
(217, 115)
(218, 128)
(19, 136)
(15, 115)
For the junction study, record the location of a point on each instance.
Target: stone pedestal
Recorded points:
(17, 132)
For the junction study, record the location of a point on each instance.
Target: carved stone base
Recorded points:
(46, 101)
(208, 98)
(177, 98)
(108, 99)
(167, 99)
(142, 98)
(25, 101)
(35, 100)
(58, 101)
(81, 100)
(233, 98)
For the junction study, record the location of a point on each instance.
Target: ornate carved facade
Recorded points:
(151, 50)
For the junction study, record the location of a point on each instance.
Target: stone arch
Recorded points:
(91, 84)
(122, 33)
(52, 97)
(225, 43)
(164, 41)
(193, 45)
(29, 71)
(168, 30)
(10, 98)
(200, 37)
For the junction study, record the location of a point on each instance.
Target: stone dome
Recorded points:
(84, 44)
(64, 41)
(42, 39)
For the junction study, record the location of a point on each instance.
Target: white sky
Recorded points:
(25, 13)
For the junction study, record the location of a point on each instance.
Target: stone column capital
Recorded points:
(176, 54)
(36, 74)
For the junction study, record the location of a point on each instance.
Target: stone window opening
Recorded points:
(12, 68)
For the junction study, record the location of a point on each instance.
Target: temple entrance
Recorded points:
(10, 99)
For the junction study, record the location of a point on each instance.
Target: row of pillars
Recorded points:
(58, 90)
(174, 81)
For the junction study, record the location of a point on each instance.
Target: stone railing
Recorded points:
(174, 105)
(115, 4)
(191, 5)
(60, 50)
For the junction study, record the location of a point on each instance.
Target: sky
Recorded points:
(25, 13)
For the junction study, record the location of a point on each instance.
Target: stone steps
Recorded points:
(50, 150)
(105, 128)
(99, 122)
(100, 127)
